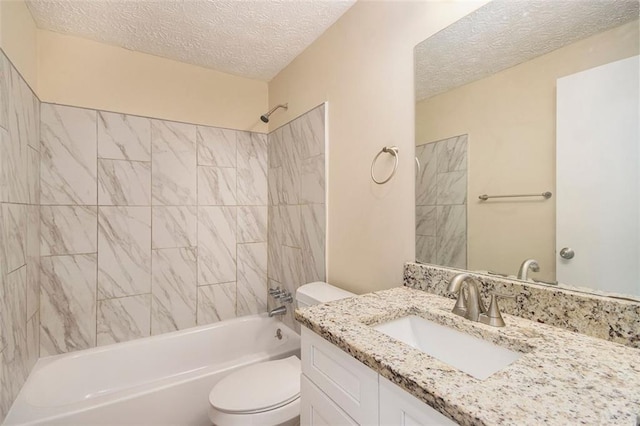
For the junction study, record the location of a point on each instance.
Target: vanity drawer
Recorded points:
(350, 384)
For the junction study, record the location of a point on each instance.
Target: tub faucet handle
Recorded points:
(276, 292)
(284, 296)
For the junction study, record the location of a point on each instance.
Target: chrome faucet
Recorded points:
(284, 296)
(469, 306)
(526, 265)
(280, 310)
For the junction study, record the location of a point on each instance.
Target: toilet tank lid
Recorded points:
(320, 292)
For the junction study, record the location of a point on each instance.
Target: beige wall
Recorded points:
(74, 71)
(79, 72)
(363, 67)
(510, 119)
(18, 38)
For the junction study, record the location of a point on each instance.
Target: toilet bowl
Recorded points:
(267, 393)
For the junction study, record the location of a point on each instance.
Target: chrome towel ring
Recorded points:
(393, 150)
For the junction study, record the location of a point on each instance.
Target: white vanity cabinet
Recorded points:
(336, 389)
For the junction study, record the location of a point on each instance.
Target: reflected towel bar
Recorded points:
(485, 197)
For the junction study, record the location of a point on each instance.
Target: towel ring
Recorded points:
(393, 150)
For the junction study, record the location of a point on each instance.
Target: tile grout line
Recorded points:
(151, 298)
(197, 224)
(97, 230)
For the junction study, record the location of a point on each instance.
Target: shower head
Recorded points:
(265, 117)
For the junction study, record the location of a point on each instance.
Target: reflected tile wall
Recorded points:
(451, 241)
(172, 205)
(19, 232)
(296, 196)
(441, 198)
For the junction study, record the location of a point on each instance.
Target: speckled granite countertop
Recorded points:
(563, 378)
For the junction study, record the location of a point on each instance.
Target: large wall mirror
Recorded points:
(527, 143)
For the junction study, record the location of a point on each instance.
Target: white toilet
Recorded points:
(267, 393)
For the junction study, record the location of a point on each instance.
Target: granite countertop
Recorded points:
(563, 377)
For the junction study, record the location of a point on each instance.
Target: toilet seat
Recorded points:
(258, 393)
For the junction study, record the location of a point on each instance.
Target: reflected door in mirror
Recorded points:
(597, 210)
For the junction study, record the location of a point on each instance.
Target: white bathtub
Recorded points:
(163, 380)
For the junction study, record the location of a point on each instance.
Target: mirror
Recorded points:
(502, 110)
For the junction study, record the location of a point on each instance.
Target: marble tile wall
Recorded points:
(441, 202)
(297, 206)
(19, 232)
(148, 226)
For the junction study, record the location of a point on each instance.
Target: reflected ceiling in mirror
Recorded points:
(491, 79)
(505, 33)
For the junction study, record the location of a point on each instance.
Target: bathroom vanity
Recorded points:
(336, 389)
(354, 373)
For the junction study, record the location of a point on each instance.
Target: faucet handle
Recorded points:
(285, 297)
(493, 317)
(276, 292)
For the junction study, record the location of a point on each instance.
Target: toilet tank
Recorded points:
(319, 292)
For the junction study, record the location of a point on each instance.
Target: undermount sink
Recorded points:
(474, 356)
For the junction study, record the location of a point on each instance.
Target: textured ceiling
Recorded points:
(505, 33)
(254, 39)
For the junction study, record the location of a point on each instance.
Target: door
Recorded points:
(597, 211)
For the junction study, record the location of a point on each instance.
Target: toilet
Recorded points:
(267, 393)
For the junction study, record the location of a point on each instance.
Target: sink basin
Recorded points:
(474, 356)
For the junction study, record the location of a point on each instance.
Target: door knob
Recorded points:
(567, 253)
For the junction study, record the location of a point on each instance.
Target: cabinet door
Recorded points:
(399, 408)
(317, 409)
(349, 383)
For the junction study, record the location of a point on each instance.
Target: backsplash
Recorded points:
(606, 318)
(19, 236)
(297, 206)
(148, 226)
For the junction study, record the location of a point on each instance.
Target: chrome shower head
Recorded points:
(265, 117)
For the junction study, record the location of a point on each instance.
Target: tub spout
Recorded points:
(280, 310)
